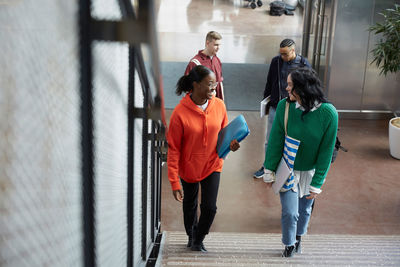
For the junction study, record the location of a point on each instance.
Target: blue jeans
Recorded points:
(271, 117)
(296, 214)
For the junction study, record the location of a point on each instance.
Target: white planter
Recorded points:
(394, 138)
(292, 3)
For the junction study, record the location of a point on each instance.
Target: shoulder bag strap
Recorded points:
(195, 61)
(286, 116)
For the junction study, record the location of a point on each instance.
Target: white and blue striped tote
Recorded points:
(289, 155)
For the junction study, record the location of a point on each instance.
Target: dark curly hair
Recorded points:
(308, 87)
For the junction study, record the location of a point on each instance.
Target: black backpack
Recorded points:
(277, 8)
(338, 145)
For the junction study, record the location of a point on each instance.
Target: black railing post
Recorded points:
(145, 131)
(131, 133)
(87, 146)
(159, 174)
(153, 181)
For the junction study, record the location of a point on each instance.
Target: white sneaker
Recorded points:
(268, 176)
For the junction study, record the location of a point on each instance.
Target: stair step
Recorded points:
(251, 249)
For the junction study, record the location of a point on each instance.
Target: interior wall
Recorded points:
(380, 92)
(355, 84)
(349, 53)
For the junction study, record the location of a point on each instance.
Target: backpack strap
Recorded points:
(279, 79)
(195, 61)
(302, 61)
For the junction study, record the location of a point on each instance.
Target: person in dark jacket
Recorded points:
(278, 72)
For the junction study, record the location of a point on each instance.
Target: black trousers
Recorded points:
(208, 206)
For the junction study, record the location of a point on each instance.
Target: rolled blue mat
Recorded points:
(236, 129)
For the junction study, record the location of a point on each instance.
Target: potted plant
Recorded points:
(394, 137)
(386, 55)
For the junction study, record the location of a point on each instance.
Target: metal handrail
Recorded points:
(138, 30)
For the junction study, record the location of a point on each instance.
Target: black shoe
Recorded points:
(297, 246)
(198, 247)
(189, 244)
(288, 252)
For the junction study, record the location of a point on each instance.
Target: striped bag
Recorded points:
(289, 155)
(285, 173)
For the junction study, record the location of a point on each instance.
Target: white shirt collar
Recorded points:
(316, 105)
(204, 106)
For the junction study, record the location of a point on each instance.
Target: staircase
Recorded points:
(250, 249)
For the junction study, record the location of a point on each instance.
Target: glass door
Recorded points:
(317, 34)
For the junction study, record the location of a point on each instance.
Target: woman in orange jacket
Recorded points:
(192, 155)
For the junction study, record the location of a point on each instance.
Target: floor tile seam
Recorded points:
(267, 249)
(263, 235)
(278, 252)
(307, 239)
(278, 259)
(315, 251)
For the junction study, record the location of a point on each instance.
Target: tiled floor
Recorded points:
(361, 194)
(249, 35)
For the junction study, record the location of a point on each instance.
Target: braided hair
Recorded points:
(287, 43)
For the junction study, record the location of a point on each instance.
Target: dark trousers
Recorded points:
(208, 206)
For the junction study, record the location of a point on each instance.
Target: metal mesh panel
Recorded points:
(110, 133)
(40, 179)
(106, 9)
(40, 133)
(137, 215)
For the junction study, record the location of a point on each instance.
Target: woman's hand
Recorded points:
(234, 145)
(312, 195)
(178, 195)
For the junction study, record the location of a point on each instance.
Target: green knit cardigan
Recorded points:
(317, 133)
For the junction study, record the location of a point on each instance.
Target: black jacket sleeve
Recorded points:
(267, 90)
(272, 85)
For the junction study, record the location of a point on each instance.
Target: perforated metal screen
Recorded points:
(40, 178)
(44, 212)
(110, 135)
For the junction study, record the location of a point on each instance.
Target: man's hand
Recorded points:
(178, 195)
(234, 145)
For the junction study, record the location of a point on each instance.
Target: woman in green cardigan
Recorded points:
(313, 121)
